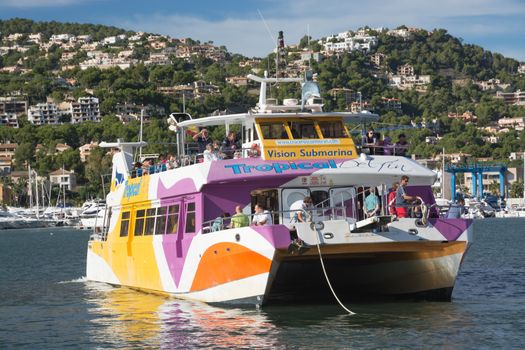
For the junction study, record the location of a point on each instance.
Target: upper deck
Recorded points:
(293, 130)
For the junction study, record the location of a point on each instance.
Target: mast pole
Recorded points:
(443, 174)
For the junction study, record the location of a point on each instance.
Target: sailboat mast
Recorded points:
(36, 194)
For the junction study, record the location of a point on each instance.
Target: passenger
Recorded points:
(202, 139)
(403, 200)
(262, 217)
(300, 209)
(456, 210)
(230, 145)
(401, 146)
(370, 141)
(218, 223)
(137, 167)
(372, 203)
(239, 219)
(217, 150)
(162, 163)
(209, 154)
(388, 147)
(146, 165)
(380, 145)
(392, 199)
(254, 151)
(172, 162)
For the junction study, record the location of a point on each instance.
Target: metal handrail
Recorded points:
(311, 214)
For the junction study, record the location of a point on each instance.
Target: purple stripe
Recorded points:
(451, 229)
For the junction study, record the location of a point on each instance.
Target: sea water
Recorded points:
(46, 303)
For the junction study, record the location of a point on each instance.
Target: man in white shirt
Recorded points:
(298, 209)
(262, 217)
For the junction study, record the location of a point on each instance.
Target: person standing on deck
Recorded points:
(301, 209)
(230, 145)
(372, 203)
(392, 199)
(403, 200)
(202, 139)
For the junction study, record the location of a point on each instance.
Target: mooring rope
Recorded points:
(326, 275)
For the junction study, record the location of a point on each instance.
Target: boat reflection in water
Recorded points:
(125, 318)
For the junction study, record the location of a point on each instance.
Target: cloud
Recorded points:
(476, 21)
(38, 3)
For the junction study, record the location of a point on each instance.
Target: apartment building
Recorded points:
(9, 120)
(44, 113)
(405, 69)
(12, 105)
(378, 59)
(84, 110)
(512, 98)
(514, 123)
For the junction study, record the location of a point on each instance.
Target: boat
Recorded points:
(92, 214)
(158, 232)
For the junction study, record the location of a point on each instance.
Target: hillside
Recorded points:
(444, 93)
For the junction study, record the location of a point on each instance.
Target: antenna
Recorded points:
(267, 27)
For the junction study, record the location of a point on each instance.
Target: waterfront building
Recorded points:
(64, 178)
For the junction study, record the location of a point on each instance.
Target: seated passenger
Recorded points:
(262, 217)
(209, 154)
(239, 219)
(300, 209)
(218, 223)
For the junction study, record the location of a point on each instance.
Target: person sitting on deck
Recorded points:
(261, 217)
(218, 223)
(372, 203)
(230, 145)
(239, 219)
(299, 209)
(209, 154)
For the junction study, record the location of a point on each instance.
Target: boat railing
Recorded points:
(386, 150)
(311, 215)
(187, 160)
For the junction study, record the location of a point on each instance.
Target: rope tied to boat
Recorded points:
(324, 269)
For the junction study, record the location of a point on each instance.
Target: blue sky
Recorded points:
(495, 25)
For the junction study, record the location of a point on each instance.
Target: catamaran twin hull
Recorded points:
(156, 239)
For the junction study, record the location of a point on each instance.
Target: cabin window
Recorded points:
(303, 130)
(332, 129)
(190, 217)
(150, 222)
(273, 131)
(160, 225)
(139, 222)
(173, 219)
(124, 224)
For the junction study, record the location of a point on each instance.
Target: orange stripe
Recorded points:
(226, 262)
